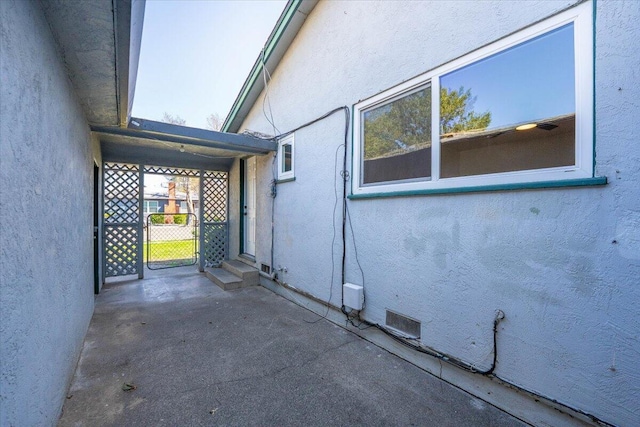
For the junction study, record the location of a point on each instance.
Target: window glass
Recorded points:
(516, 111)
(397, 139)
(511, 111)
(151, 206)
(286, 158)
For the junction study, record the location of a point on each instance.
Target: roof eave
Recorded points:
(281, 37)
(129, 20)
(149, 129)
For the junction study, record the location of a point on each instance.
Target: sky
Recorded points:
(534, 80)
(196, 54)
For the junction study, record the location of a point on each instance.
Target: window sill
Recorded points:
(282, 181)
(582, 182)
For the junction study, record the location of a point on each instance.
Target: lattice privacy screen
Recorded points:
(171, 171)
(215, 242)
(121, 219)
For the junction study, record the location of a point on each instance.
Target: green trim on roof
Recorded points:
(285, 19)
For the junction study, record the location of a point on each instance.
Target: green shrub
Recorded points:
(180, 219)
(157, 219)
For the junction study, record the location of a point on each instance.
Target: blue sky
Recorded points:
(534, 80)
(195, 55)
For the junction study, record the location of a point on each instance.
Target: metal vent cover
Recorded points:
(404, 324)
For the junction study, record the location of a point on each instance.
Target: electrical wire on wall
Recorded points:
(273, 191)
(344, 176)
(353, 315)
(265, 74)
(268, 114)
(333, 239)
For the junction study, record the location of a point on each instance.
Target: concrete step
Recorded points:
(224, 278)
(249, 275)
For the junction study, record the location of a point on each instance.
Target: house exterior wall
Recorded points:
(563, 264)
(46, 263)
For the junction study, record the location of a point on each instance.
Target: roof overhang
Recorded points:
(286, 29)
(100, 44)
(165, 144)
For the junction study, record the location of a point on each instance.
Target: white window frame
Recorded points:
(581, 17)
(147, 206)
(287, 140)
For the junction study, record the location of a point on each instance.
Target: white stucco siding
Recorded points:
(46, 227)
(563, 264)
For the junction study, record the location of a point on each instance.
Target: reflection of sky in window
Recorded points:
(534, 80)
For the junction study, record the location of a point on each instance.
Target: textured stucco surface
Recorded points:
(84, 34)
(563, 264)
(46, 266)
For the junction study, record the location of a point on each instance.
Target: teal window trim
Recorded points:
(581, 182)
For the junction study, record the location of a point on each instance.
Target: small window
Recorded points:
(286, 158)
(516, 111)
(151, 206)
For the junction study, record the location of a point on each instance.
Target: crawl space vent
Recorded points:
(404, 324)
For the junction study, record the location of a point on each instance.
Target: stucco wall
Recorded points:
(46, 249)
(563, 264)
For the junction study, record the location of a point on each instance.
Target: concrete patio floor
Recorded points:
(198, 355)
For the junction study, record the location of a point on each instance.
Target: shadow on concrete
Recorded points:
(198, 355)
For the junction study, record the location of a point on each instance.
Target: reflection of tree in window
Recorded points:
(405, 124)
(456, 112)
(400, 126)
(529, 90)
(397, 139)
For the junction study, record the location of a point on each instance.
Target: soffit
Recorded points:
(96, 38)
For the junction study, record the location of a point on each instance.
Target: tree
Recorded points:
(456, 112)
(183, 183)
(189, 186)
(177, 120)
(405, 124)
(214, 122)
(402, 125)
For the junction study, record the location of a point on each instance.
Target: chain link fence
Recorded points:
(171, 240)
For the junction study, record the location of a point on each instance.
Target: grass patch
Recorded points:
(170, 249)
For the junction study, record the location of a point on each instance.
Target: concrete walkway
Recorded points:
(197, 355)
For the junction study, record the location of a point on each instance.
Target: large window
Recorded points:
(516, 111)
